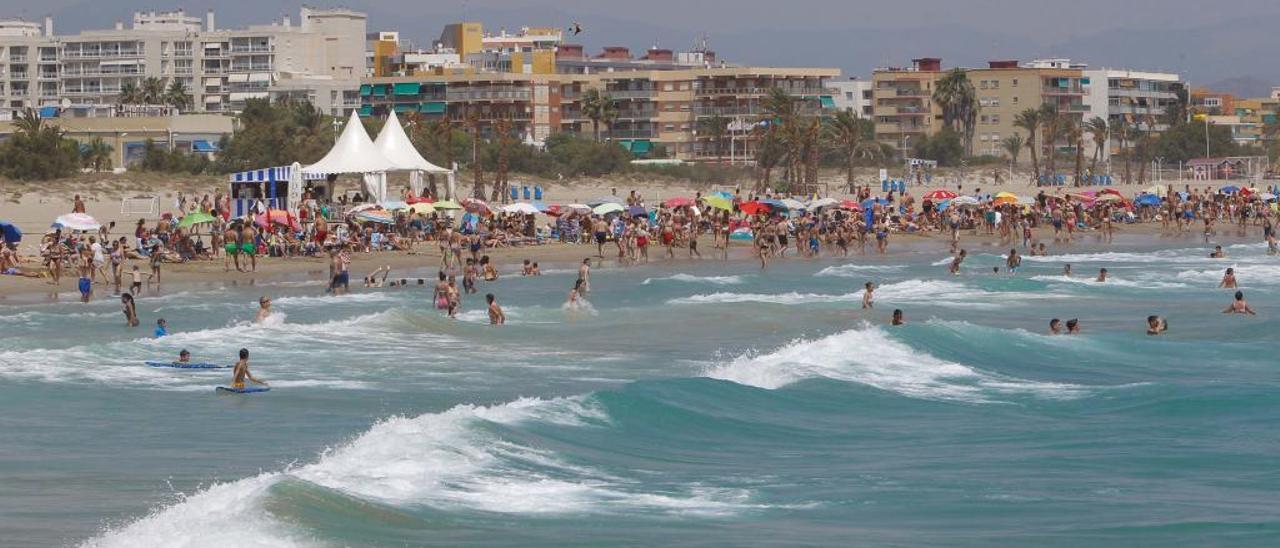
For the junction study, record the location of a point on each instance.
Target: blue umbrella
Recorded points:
(637, 211)
(1230, 189)
(11, 233)
(723, 194)
(1147, 199)
(776, 204)
(871, 202)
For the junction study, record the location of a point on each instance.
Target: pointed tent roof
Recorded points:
(353, 153)
(395, 145)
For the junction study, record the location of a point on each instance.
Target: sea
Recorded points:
(701, 403)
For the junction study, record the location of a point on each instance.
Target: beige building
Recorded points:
(127, 136)
(902, 103)
(1006, 88)
(28, 66)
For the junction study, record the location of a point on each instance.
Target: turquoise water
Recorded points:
(706, 403)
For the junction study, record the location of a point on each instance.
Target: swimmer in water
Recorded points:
(1240, 306)
(1217, 253)
(866, 296)
(496, 317)
(1073, 326)
(1066, 270)
(1228, 279)
(1156, 325)
(1013, 262)
(264, 310)
(955, 262)
(897, 318)
(1055, 327)
(184, 356)
(1102, 275)
(241, 371)
(575, 294)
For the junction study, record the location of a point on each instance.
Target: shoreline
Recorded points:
(424, 261)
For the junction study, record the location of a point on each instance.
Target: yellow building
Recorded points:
(1005, 89)
(902, 103)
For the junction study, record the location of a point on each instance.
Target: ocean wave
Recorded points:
(857, 270)
(689, 278)
(456, 459)
(870, 356)
(1112, 281)
(1246, 275)
(932, 292)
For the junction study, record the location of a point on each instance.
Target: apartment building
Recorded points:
(1130, 97)
(1212, 103)
(28, 66)
(854, 95)
(654, 107)
(904, 110)
(1006, 88)
(320, 59)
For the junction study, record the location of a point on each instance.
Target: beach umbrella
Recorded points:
(447, 204)
(871, 202)
(754, 208)
(76, 222)
(420, 200)
(851, 205)
(607, 208)
(743, 233)
(823, 202)
(476, 205)
(964, 201)
(1267, 196)
(603, 200)
(775, 204)
(362, 207)
(1109, 198)
(1229, 189)
(1156, 189)
(718, 202)
(1147, 200)
(1111, 191)
(940, 194)
(425, 208)
(792, 204)
(637, 211)
(196, 218)
(679, 201)
(520, 208)
(11, 233)
(1002, 200)
(393, 205)
(279, 217)
(723, 194)
(381, 216)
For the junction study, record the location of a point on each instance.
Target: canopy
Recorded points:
(447, 204)
(679, 201)
(1147, 199)
(353, 153)
(823, 202)
(278, 216)
(374, 216)
(792, 204)
(393, 205)
(424, 208)
(520, 208)
(850, 204)
(76, 221)
(869, 202)
(754, 208)
(607, 208)
(939, 195)
(10, 232)
(964, 200)
(399, 150)
(718, 202)
(476, 205)
(196, 218)
(1229, 189)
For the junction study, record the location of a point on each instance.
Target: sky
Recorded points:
(1205, 42)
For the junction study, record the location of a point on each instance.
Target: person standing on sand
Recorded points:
(77, 205)
(231, 244)
(247, 246)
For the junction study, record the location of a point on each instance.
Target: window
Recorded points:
(668, 86)
(982, 84)
(1015, 82)
(983, 119)
(995, 118)
(669, 127)
(995, 84)
(1015, 99)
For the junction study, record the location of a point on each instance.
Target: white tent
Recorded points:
(396, 146)
(355, 153)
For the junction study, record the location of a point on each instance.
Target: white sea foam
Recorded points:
(932, 292)
(1112, 281)
(1246, 275)
(689, 278)
(869, 356)
(856, 270)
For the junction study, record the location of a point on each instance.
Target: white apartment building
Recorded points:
(853, 95)
(1128, 96)
(320, 59)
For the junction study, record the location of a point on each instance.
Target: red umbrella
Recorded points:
(679, 201)
(1112, 191)
(753, 208)
(940, 195)
(277, 216)
(476, 206)
(850, 204)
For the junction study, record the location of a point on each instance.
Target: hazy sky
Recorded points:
(1203, 40)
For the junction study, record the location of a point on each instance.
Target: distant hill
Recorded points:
(1243, 86)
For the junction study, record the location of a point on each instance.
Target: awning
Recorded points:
(121, 62)
(212, 99)
(241, 77)
(260, 77)
(641, 147)
(827, 101)
(212, 45)
(366, 110)
(432, 108)
(401, 109)
(48, 112)
(365, 90)
(201, 145)
(214, 81)
(409, 88)
(380, 90)
(625, 144)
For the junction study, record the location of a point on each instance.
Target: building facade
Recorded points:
(128, 136)
(854, 96)
(904, 109)
(1007, 88)
(655, 108)
(320, 59)
(1129, 97)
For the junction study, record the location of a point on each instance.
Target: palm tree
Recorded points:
(502, 136)
(1052, 124)
(153, 91)
(28, 123)
(177, 95)
(847, 132)
(1123, 131)
(1099, 132)
(770, 151)
(599, 108)
(1030, 120)
(1075, 134)
(781, 116)
(473, 122)
(96, 154)
(1012, 145)
(954, 93)
(715, 128)
(129, 94)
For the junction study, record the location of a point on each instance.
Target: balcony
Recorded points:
(643, 114)
(241, 50)
(17, 58)
(900, 93)
(1054, 90)
(727, 112)
(755, 91)
(511, 95)
(629, 134)
(48, 76)
(631, 93)
(884, 127)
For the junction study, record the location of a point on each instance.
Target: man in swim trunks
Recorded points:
(866, 296)
(241, 371)
(601, 232)
(1013, 262)
(247, 246)
(231, 244)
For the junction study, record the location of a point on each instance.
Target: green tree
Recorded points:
(955, 95)
(1052, 124)
(37, 151)
(1186, 141)
(945, 147)
(96, 155)
(153, 91)
(854, 138)
(599, 108)
(129, 94)
(177, 96)
(1030, 120)
(1012, 146)
(715, 127)
(1099, 132)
